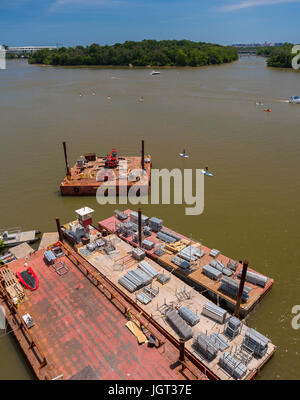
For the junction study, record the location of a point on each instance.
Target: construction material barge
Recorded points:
(77, 325)
(111, 172)
(217, 342)
(205, 269)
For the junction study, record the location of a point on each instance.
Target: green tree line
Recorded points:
(144, 53)
(278, 56)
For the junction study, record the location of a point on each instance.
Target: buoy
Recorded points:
(267, 109)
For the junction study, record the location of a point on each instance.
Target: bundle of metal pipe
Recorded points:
(255, 342)
(188, 315)
(214, 312)
(204, 345)
(232, 365)
(231, 288)
(255, 278)
(179, 325)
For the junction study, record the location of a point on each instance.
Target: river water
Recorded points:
(251, 204)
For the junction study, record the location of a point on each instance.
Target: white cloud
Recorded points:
(254, 3)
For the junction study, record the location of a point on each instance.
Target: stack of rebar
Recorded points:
(255, 342)
(232, 365)
(214, 312)
(204, 345)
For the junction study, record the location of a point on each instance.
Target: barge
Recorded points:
(163, 297)
(75, 324)
(166, 254)
(111, 172)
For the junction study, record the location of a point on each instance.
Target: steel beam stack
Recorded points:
(120, 215)
(155, 224)
(214, 253)
(204, 345)
(179, 325)
(134, 218)
(231, 287)
(180, 262)
(211, 272)
(232, 365)
(165, 238)
(219, 342)
(255, 342)
(171, 234)
(191, 253)
(233, 327)
(214, 312)
(188, 315)
(255, 278)
(163, 278)
(148, 269)
(220, 267)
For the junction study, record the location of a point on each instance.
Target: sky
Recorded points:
(82, 22)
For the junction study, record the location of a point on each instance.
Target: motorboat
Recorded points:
(294, 100)
(155, 73)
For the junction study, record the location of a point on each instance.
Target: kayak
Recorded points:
(28, 279)
(183, 155)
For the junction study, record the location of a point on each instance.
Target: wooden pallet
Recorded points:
(12, 285)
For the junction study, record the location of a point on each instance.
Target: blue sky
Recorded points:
(72, 22)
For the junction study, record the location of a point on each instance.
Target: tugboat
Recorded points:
(294, 100)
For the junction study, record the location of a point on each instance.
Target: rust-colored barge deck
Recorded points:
(195, 278)
(89, 173)
(79, 327)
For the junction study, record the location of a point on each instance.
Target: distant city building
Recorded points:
(28, 49)
(265, 44)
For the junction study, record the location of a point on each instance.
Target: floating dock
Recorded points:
(15, 236)
(90, 172)
(78, 325)
(193, 276)
(115, 260)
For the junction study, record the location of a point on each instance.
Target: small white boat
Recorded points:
(294, 100)
(155, 73)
